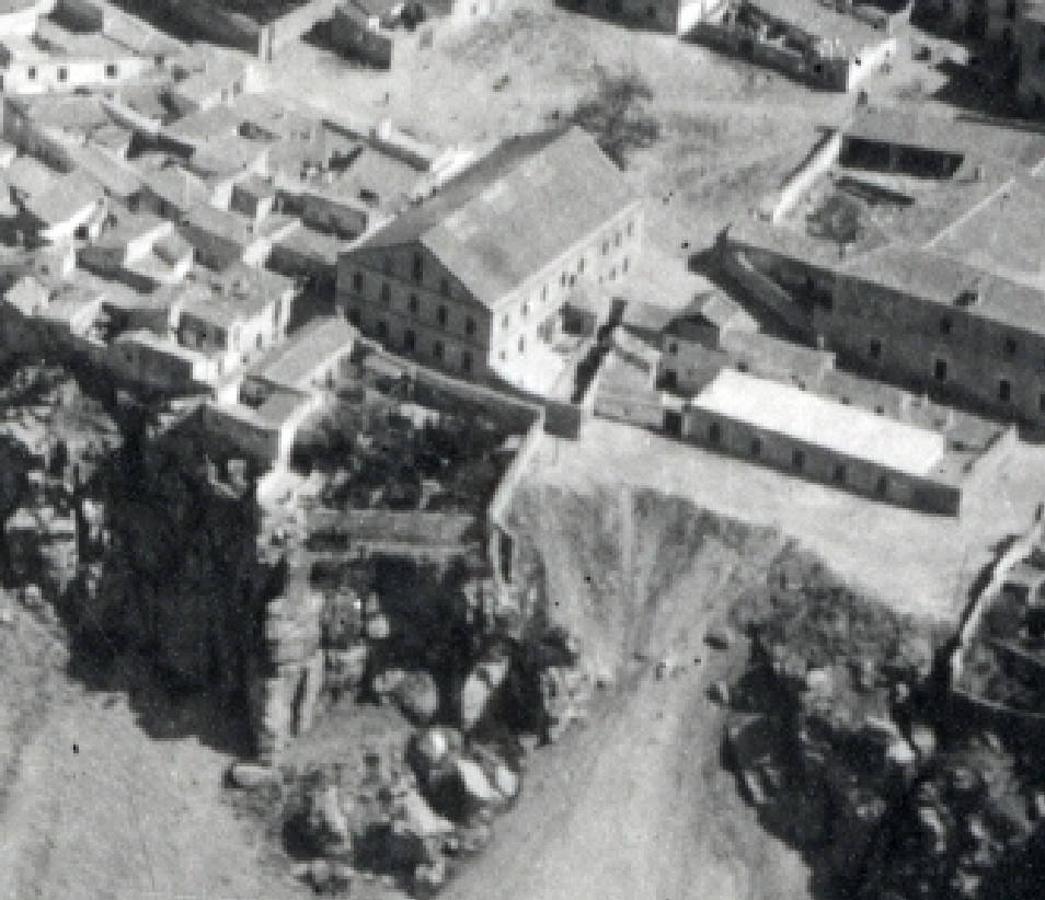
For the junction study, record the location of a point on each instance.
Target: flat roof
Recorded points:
(813, 420)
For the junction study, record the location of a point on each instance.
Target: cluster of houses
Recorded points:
(165, 231)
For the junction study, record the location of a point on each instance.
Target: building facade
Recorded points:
(457, 289)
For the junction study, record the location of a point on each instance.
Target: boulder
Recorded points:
(419, 818)
(476, 785)
(430, 878)
(506, 781)
(719, 693)
(418, 696)
(252, 775)
(377, 627)
(326, 821)
(387, 682)
(478, 688)
(720, 638)
(347, 668)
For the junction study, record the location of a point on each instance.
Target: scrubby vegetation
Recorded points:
(617, 116)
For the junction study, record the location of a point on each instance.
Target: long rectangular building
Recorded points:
(820, 438)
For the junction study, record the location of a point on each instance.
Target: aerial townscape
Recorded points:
(530, 449)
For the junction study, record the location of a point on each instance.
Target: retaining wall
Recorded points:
(823, 156)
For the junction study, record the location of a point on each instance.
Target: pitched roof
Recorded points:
(797, 414)
(516, 210)
(945, 281)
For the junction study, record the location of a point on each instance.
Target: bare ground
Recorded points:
(635, 802)
(94, 806)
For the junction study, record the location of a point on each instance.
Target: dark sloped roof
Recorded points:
(942, 280)
(514, 211)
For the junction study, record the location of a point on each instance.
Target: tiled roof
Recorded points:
(512, 213)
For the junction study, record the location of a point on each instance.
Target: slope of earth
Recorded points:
(634, 803)
(104, 793)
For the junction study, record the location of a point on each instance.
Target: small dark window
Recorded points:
(1041, 403)
(63, 73)
(409, 340)
(945, 325)
(839, 474)
(624, 265)
(387, 266)
(798, 460)
(357, 282)
(414, 304)
(1004, 390)
(30, 73)
(386, 294)
(875, 349)
(1010, 346)
(355, 316)
(504, 320)
(522, 343)
(111, 70)
(444, 287)
(382, 328)
(715, 433)
(525, 310)
(940, 370)
(438, 350)
(605, 247)
(616, 239)
(466, 361)
(469, 326)
(580, 266)
(673, 348)
(544, 294)
(418, 269)
(756, 447)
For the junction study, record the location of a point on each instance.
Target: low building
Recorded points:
(805, 38)
(362, 29)
(72, 208)
(474, 281)
(236, 316)
(211, 77)
(161, 363)
(671, 16)
(312, 358)
(813, 437)
(266, 433)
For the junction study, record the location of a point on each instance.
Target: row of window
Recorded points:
(442, 312)
(412, 345)
(62, 72)
(839, 475)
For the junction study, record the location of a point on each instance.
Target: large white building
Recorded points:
(475, 280)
